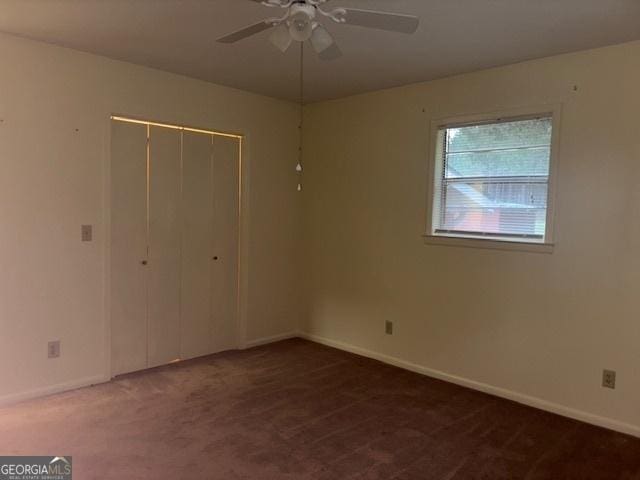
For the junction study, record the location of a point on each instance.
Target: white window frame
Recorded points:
(478, 241)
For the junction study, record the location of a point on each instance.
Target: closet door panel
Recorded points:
(197, 329)
(224, 270)
(164, 245)
(128, 247)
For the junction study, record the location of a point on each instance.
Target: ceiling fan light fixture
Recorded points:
(321, 39)
(300, 30)
(301, 22)
(281, 38)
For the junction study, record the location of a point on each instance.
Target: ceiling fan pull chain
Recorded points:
(301, 124)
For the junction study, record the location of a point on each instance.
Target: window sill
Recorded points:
(472, 242)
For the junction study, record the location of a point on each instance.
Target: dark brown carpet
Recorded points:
(297, 410)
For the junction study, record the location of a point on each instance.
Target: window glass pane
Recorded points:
(516, 134)
(504, 163)
(494, 180)
(495, 208)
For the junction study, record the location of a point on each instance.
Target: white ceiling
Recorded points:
(455, 36)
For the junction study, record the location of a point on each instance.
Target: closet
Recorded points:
(174, 244)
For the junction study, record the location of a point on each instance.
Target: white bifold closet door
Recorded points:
(128, 247)
(226, 213)
(210, 201)
(164, 246)
(174, 258)
(196, 331)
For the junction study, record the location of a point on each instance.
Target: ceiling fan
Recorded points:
(300, 23)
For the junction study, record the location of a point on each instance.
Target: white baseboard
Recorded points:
(535, 402)
(51, 389)
(274, 338)
(85, 382)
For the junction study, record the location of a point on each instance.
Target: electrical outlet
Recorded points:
(87, 233)
(53, 349)
(388, 327)
(609, 379)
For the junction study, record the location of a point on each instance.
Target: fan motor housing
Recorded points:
(300, 9)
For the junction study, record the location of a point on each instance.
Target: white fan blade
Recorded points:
(331, 53)
(246, 32)
(321, 39)
(393, 22)
(281, 38)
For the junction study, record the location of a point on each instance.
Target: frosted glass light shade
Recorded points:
(321, 39)
(281, 38)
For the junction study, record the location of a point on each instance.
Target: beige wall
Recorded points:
(54, 135)
(535, 327)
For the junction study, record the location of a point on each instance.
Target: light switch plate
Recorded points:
(87, 233)
(53, 349)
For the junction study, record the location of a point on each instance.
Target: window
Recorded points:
(491, 180)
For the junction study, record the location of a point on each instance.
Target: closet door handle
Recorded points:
(143, 262)
(215, 258)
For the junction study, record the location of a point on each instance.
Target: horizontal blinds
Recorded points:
(494, 180)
